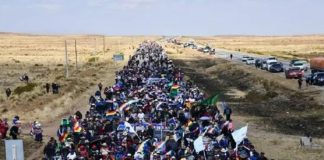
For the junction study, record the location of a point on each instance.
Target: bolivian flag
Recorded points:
(77, 128)
(63, 137)
(111, 113)
(125, 105)
(174, 90)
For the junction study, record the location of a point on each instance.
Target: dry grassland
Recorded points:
(43, 59)
(284, 47)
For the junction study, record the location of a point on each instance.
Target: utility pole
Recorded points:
(104, 44)
(66, 62)
(96, 46)
(76, 54)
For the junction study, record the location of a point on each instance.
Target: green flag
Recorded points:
(210, 101)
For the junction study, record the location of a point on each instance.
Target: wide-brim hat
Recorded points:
(223, 150)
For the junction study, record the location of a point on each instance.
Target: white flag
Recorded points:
(240, 134)
(131, 128)
(199, 144)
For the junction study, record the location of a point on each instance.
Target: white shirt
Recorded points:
(71, 156)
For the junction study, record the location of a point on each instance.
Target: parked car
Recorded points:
(250, 60)
(277, 67)
(271, 59)
(293, 61)
(300, 64)
(315, 78)
(294, 72)
(206, 49)
(269, 64)
(244, 58)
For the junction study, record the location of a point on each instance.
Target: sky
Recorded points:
(163, 17)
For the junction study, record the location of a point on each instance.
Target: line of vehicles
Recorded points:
(272, 64)
(296, 68)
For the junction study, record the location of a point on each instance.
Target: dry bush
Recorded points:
(93, 59)
(27, 88)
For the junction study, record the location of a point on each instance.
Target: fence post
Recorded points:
(66, 62)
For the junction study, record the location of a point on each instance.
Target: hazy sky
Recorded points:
(163, 17)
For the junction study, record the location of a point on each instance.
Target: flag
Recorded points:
(240, 134)
(176, 137)
(160, 147)
(76, 127)
(125, 105)
(174, 90)
(142, 149)
(63, 137)
(219, 137)
(172, 121)
(130, 127)
(211, 101)
(199, 144)
(111, 113)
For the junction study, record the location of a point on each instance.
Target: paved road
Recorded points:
(237, 56)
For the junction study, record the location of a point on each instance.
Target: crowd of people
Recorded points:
(150, 113)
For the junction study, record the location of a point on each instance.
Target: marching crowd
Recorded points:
(151, 113)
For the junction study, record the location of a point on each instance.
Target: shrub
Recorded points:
(27, 88)
(271, 94)
(93, 59)
(59, 77)
(4, 110)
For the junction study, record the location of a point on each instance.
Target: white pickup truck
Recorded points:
(300, 64)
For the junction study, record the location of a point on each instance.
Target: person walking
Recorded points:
(4, 127)
(300, 82)
(8, 92)
(14, 130)
(227, 113)
(49, 150)
(47, 86)
(231, 56)
(100, 86)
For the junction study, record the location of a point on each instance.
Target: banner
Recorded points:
(14, 150)
(199, 144)
(240, 134)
